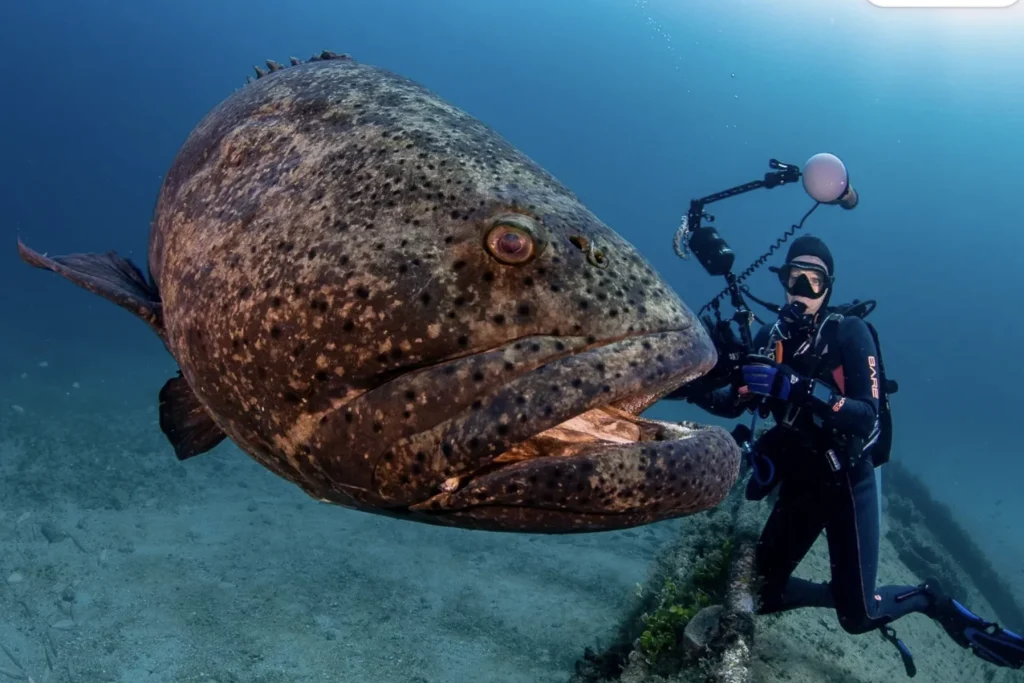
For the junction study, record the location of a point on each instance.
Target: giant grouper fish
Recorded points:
(381, 300)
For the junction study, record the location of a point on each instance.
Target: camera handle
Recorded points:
(714, 253)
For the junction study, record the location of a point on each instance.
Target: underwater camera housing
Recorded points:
(825, 179)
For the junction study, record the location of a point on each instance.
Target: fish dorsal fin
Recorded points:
(185, 422)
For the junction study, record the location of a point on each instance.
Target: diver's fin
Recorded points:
(185, 422)
(986, 639)
(114, 278)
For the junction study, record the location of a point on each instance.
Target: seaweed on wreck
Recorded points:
(693, 576)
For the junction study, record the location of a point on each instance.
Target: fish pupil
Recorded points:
(512, 243)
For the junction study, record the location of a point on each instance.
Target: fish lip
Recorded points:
(705, 353)
(700, 357)
(645, 399)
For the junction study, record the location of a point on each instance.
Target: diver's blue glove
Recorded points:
(774, 380)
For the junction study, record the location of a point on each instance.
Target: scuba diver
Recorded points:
(818, 371)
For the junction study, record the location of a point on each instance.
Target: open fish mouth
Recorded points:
(562, 445)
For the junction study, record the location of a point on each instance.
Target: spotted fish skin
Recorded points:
(321, 271)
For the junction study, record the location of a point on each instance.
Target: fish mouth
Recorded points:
(563, 447)
(618, 421)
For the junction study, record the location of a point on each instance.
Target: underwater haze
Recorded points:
(213, 569)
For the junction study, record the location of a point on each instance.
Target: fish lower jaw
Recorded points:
(601, 470)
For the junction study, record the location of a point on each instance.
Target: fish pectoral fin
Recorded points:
(185, 422)
(112, 277)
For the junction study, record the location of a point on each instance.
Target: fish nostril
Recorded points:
(595, 256)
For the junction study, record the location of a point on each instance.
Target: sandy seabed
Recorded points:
(121, 564)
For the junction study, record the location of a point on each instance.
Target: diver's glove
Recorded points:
(764, 377)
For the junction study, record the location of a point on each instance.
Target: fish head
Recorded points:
(432, 326)
(504, 341)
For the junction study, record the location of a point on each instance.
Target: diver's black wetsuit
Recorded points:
(813, 497)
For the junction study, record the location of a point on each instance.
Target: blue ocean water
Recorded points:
(636, 106)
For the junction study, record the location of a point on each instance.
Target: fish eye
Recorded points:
(511, 240)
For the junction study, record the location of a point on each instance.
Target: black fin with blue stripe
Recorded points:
(986, 639)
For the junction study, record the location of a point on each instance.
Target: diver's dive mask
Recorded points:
(801, 278)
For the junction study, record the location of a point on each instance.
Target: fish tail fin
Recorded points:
(185, 421)
(110, 276)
